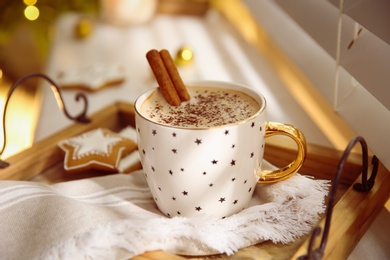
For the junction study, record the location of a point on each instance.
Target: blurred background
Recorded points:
(25, 31)
(25, 35)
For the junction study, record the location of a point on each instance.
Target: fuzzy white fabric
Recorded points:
(115, 217)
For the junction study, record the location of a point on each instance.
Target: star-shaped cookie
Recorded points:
(91, 78)
(99, 149)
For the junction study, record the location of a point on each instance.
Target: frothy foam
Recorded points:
(208, 107)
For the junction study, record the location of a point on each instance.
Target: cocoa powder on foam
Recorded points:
(208, 107)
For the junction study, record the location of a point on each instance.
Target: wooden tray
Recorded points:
(352, 214)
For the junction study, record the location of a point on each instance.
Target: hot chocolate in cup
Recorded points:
(204, 157)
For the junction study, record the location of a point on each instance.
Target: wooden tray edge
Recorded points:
(45, 153)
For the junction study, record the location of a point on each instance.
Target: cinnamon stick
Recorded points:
(166, 86)
(174, 75)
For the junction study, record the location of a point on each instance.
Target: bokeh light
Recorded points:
(186, 55)
(29, 2)
(31, 13)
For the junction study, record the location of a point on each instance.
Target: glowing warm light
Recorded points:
(30, 2)
(337, 131)
(31, 13)
(1, 74)
(187, 55)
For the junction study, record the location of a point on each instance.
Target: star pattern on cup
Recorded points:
(216, 162)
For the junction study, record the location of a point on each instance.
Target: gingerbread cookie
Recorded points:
(129, 163)
(91, 78)
(99, 149)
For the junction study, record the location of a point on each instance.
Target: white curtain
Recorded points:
(343, 46)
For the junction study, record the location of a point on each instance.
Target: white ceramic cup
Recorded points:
(210, 171)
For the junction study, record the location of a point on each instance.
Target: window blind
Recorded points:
(343, 46)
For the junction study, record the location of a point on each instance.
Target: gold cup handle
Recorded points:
(291, 131)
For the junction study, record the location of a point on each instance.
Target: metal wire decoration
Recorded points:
(365, 186)
(81, 118)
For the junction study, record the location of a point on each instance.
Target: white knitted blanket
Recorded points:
(115, 217)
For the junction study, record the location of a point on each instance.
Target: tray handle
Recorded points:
(81, 118)
(365, 186)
